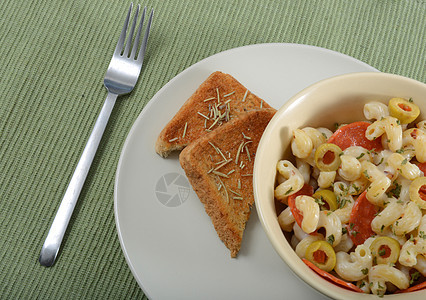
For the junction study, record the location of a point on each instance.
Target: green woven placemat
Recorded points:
(53, 56)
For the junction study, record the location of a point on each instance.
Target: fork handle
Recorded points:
(59, 225)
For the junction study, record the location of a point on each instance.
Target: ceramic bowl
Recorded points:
(336, 100)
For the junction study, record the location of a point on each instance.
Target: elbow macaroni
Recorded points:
(332, 225)
(350, 168)
(375, 110)
(403, 166)
(345, 244)
(304, 169)
(301, 144)
(421, 265)
(293, 183)
(286, 220)
(389, 127)
(351, 266)
(421, 125)
(326, 179)
(416, 138)
(409, 220)
(379, 183)
(415, 247)
(387, 217)
(310, 211)
(380, 274)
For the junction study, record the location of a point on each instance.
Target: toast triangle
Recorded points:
(219, 166)
(217, 100)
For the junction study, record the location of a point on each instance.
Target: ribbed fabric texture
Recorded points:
(53, 56)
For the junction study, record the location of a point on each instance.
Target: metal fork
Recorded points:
(120, 79)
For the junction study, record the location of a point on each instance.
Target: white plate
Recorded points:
(168, 240)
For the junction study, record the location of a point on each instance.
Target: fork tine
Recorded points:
(120, 42)
(138, 35)
(130, 37)
(145, 38)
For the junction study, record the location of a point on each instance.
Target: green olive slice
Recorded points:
(321, 254)
(385, 250)
(327, 157)
(326, 197)
(417, 191)
(403, 110)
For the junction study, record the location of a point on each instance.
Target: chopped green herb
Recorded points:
(289, 191)
(320, 201)
(366, 174)
(341, 202)
(364, 271)
(414, 277)
(361, 155)
(396, 191)
(330, 239)
(355, 187)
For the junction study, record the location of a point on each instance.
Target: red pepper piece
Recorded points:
(332, 278)
(353, 134)
(363, 212)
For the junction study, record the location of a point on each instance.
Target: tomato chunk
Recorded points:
(305, 190)
(353, 134)
(332, 278)
(363, 212)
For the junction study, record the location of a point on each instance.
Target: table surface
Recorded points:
(53, 56)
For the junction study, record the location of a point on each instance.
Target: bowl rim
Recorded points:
(303, 273)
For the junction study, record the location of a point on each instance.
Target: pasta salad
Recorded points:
(355, 199)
